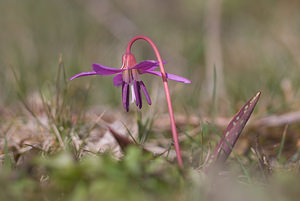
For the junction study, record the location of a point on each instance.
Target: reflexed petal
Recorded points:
(151, 69)
(147, 65)
(145, 92)
(125, 96)
(170, 76)
(103, 70)
(83, 74)
(118, 80)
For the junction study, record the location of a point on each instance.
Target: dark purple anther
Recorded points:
(125, 95)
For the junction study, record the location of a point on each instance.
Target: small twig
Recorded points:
(96, 121)
(34, 147)
(263, 160)
(275, 120)
(278, 120)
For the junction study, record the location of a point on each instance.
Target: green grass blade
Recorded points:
(215, 106)
(129, 133)
(7, 159)
(282, 143)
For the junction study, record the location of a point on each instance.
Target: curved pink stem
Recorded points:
(167, 92)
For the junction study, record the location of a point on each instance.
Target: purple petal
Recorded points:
(147, 65)
(153, 68)
(103, 70)
(145, 92)
(83, 74)
(118, 80)
(125, 96)
(170, 76)
(137, 92)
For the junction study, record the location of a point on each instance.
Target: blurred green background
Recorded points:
(229, 49)
(259, 42)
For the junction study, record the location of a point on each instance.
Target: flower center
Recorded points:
(128, 61)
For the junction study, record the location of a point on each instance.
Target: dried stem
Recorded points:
(167, 92)
(213, 51)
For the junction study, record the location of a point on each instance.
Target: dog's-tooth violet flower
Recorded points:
(128, 76)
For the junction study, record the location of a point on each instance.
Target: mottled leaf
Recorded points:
(232, 132)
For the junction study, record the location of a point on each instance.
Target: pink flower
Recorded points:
(129, 76)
